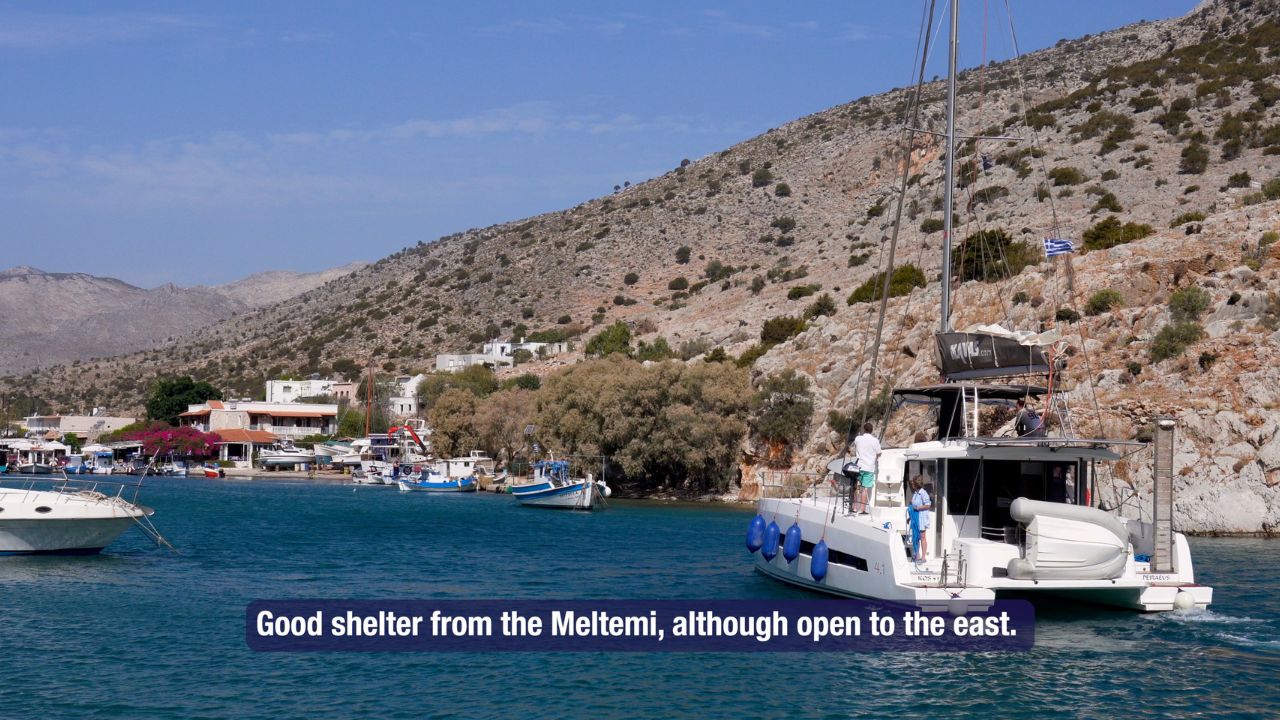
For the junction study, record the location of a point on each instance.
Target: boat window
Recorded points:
(927, 469)
(44, 509)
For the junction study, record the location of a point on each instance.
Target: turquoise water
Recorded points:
(139, 632)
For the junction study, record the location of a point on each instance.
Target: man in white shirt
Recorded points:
(867, 449)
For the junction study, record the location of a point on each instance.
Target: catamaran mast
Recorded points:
(947, 200)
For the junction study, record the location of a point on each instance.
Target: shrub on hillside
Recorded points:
(1188, 303)
(990, 255)
(781, 329)
(901, 282)
(1102, 301)
(1066, 176)
(1173, 339)
(1110, 232)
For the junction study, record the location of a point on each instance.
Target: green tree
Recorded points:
(170, 397)
(668, 424)
(781, 412)
(614, 339)
(452, 418)
(990, 256)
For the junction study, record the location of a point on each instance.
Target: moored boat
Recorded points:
(285, 454)
(428, 480)
(72, 518)
(552, 487)
(955, 521)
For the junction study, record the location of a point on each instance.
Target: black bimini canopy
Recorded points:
(949, 398)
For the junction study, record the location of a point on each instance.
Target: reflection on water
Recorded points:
(139, 632)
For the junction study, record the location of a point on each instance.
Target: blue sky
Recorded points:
(197, 143)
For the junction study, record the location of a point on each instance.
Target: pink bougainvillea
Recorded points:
(184, 441)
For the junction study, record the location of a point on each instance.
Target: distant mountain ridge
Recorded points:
(52, 318)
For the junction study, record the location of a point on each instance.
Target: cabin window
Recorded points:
(44, 509)
(926, 469)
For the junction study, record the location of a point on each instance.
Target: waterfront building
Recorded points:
(86, 427)
(283, 420)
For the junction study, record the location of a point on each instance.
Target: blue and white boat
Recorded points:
(429, 480)
(552, 487)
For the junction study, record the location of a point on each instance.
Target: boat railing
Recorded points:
(75, 488)
(791, 484)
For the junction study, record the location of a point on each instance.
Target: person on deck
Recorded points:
(867, 448)
(923, 505)
(1027, 423)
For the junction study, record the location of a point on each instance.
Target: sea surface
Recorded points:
(140, 632)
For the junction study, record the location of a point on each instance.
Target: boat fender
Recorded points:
(1183, 601)
(818, 565)
(755, 533)
(791, 546)
(770, 547)
(604, 490)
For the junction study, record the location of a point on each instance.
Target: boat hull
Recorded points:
(35, 469)
(60, 536)
(457, 485)
(579, 495)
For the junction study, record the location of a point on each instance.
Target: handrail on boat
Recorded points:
(69, 488)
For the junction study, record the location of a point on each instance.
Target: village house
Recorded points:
(85, 427)
(249, 425)
(498, 353)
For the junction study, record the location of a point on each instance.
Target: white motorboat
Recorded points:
(552, 487)
(332, 451)
(67, 517)
(1006, 515)
(285, 454)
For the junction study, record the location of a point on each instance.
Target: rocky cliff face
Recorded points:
(52, 318)
(1169, 124)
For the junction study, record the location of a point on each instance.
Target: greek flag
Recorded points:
(1057, 246)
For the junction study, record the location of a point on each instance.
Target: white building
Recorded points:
(290, 391)
(498, 353)
(405, 404)
(85, 427)
(282, 420)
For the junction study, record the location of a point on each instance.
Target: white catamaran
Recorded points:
(1011, 515)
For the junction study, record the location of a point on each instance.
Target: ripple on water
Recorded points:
(141, 633)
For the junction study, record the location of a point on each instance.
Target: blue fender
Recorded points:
(791, 546)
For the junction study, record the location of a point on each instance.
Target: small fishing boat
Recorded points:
(552, 487)
(99, 460)
(212, 472)
(428, 480)
(75, 464)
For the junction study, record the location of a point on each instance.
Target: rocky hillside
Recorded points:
(54, 318)
(1155, 145)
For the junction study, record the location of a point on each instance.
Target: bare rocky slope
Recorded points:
(53, 318)
(1172, 124)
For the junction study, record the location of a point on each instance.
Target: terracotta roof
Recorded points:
(238, 435)
(296, 413)
(216, 404)
(194, 413)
